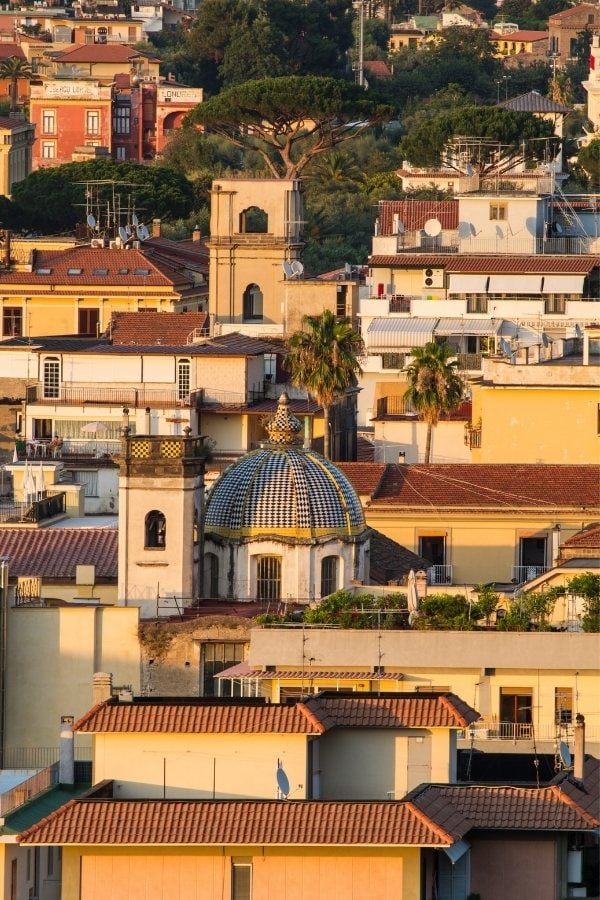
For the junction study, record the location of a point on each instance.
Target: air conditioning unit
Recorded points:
(115, 245)
(433, 278)
(97, 242)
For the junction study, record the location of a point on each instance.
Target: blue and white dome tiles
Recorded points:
(283, 490)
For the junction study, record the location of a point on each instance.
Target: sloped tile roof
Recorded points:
(146, 328)
(492, 265)
(533, 101)
(236, 822)
(103, 53)
(99, 266)
(8, 50)
(589, 537)
(414, 213)
(243, 670)
(585, 794)
(521, 35)
(504, 486)
(513, 808)
(364, 477)
(580, 9)
(56, 552)
(390, 560)
(172, 717)
(399, 711)
(378, 69)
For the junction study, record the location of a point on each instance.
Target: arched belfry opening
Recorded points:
(254, 220)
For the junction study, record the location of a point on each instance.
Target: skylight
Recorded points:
(123, 271)
(43, 271)
(74, 271)
(100, 272)
(141, 271)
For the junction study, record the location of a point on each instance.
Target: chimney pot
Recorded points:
(196, 234)
(102, 687)
(66, 765)
(155, 227)
(579, 747)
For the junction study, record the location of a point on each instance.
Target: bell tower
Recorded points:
(161, 495)
(255, 227)
(592, 86)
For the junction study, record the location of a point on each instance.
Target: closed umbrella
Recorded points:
(412, 597)
(29, 486)
(40, 482)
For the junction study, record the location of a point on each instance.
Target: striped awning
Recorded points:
(393, 334)
(515, 284)
(458, 326)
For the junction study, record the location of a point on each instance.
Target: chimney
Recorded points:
(579, 747)
(155, 227)
(196, 234)
(66, 765)
(102, 687)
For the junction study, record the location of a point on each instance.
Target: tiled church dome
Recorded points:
(284, 490)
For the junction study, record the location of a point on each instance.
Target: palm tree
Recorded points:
(433, 385)
(323, 358)
(14, 68)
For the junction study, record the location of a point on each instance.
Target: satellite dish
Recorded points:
(545, 340)
(143, 233)
(473, 230)
(578, 331)
(470, 170)
(499, 232)
(91, 220)
(128, 230)
(565, 755)
(505, 347)
(134, 220)
(287, 268)
(282, 781)
(432, 227)
(123, 234)
(401, 227)
(558, 228)
(297, 267)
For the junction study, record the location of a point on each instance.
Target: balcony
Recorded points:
(28, 789)
(16, 512)
(388, 407)
(207, 399)
(133, 398)
(522, 574)
(439, 575)
(469, 362)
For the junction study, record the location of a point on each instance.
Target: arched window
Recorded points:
(253, 302)
(253, 221)
(51, 376)
(211, 576)
(329, 575)
(268, 578)
(183, 379)
(155, 530)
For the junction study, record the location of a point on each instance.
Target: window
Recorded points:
(498, 212)
(253, 302)
(74, 271)
(433, 549)
(183, 379)
(241, 878)
(51, 370)
(48, 150)
(92, 121)
(122, 119)
(392, 360)
(268, 578)
(516, 705)
(211, 575)
(121, 152)
(155, 531)
(89, 321)
(49, 121)
(329, 575)
(563, 705)
(270, 360)
(99, 271)
(253, 221)
(89, 479)
(432, 689)
(12, 321)
(532, 551)
(216, 656)
(13, 880)
(141, 271)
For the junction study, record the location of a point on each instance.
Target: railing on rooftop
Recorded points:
(486, 729)
(208, 398)
(21, 512)
(439, 574)
(394, 406)
(25, 791)
(521, 574)
(40, 757)
(134, 398)
(576, 245)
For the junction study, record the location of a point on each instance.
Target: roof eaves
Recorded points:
(430, 824)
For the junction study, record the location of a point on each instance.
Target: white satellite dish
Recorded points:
(432, 227)
(565, 755)
(143, 233)
(134, 220)
(558, 228)
(347, 269)
(473, 230)
(287, 268)
(91, 220)
(123, 234)
(470, 170)
(128, 230)
(282, 782)
(545, 340)
(297, 267)
(401, 227)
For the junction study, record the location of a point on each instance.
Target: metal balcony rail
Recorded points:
(21, 512)
(208, 398)
(133, 398)
(394, 406)
(399, 303)
(25, 791)
(469, 362)
(439, 574)
(489, 730)
(39, 757)
(521, 574)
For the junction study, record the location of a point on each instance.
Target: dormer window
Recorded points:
(43, 271)
(74, 271)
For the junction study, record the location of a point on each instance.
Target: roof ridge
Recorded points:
(429, 822)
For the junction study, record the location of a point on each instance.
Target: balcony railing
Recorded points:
(439, 575)
(469, 362)
(393, 406)
(209, 398)
(399, 303)
(18, 512)
(521, 574)
(25, 791)
(133, 398)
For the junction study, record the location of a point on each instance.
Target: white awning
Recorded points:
(394, 334)
(468, 284)
(562, 284)
(469, 327)
(515, 284)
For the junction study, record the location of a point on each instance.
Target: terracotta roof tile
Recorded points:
(514, 808)
(146, 328)
(8, 50)
(522, 34)
(364, 477)
(589, 537)
(414, 213)
(234, 822)
(195, 718)
(585, 794)
(56, 552)
(243, 670)
(399, 711)
(492, 265)
(505, 486)
(103, 53)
